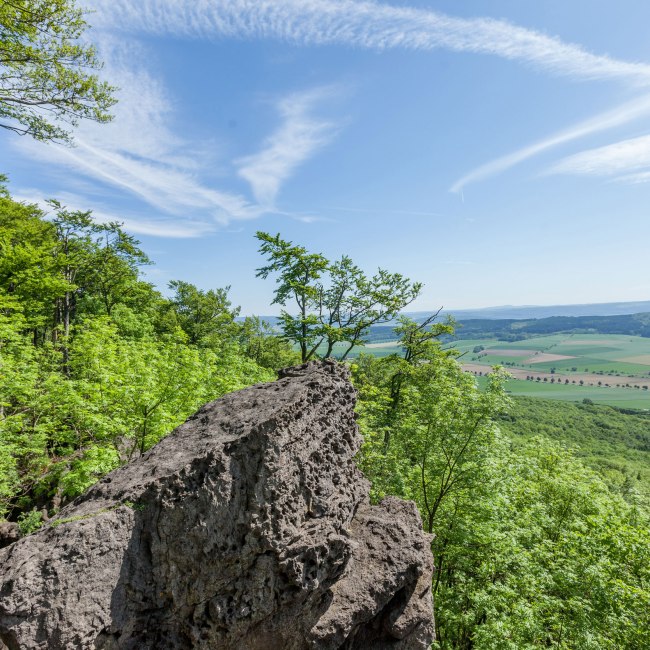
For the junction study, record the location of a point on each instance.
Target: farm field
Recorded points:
(614, 369)
(620, 397)
(629, 355)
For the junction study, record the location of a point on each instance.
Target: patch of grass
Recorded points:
(90, 515)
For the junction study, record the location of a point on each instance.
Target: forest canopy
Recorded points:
(538, 543)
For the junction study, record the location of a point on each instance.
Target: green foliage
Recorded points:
(30, 522)
(29, 277)
(335, 301)
(87, 470)
(427, 420)
(46, 69)
(542, 555)
(298, 276)
(95, 365)
(532, 549)
(614, 444)
(206, 317)
(262, 344)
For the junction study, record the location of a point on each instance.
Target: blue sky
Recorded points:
(497, 151)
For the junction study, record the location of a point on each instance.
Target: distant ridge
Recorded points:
(518, 329)
(525, 312)
(538, 311)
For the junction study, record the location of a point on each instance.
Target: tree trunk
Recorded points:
(66, 333)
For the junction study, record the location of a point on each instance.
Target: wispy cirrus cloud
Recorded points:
(299, 136)
(627, 160)
(160, 226)
(618, 116)
(140, 153)
(363, 24)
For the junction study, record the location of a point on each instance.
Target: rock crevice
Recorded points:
(248, 527)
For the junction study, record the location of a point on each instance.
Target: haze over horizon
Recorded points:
(497, 151)
(526, 311)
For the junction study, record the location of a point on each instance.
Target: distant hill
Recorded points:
(517, 330)
(538, 311)
(511, 329)
(528, 311)
(517, 323)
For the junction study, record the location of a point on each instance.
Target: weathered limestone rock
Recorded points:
(247, 528)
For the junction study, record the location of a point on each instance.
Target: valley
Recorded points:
(612, 369)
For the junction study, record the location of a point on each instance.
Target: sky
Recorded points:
(497, 151)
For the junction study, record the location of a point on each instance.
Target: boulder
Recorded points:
(247, 528)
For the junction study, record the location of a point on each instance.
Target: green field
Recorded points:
(621, 397)
(627, 355)
(607, 358)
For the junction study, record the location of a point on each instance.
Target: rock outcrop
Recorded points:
(248, 527)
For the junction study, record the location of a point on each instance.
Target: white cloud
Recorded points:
(297, 139)
(607, 120)
(635, 179)
(362, 24)
(140, 152)
(136, 224)
(626, 160)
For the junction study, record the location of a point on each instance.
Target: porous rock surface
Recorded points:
(248, 527)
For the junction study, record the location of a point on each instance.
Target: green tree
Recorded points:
(19, 375)
(30, 278)
(352, 303)
(425, 419)
(112, 275)
(336, 302)
(46, 70)
(206, 317)
(261, 343)
(72, 256)
(298, 278)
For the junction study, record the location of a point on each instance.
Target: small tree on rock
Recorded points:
(334, 302)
